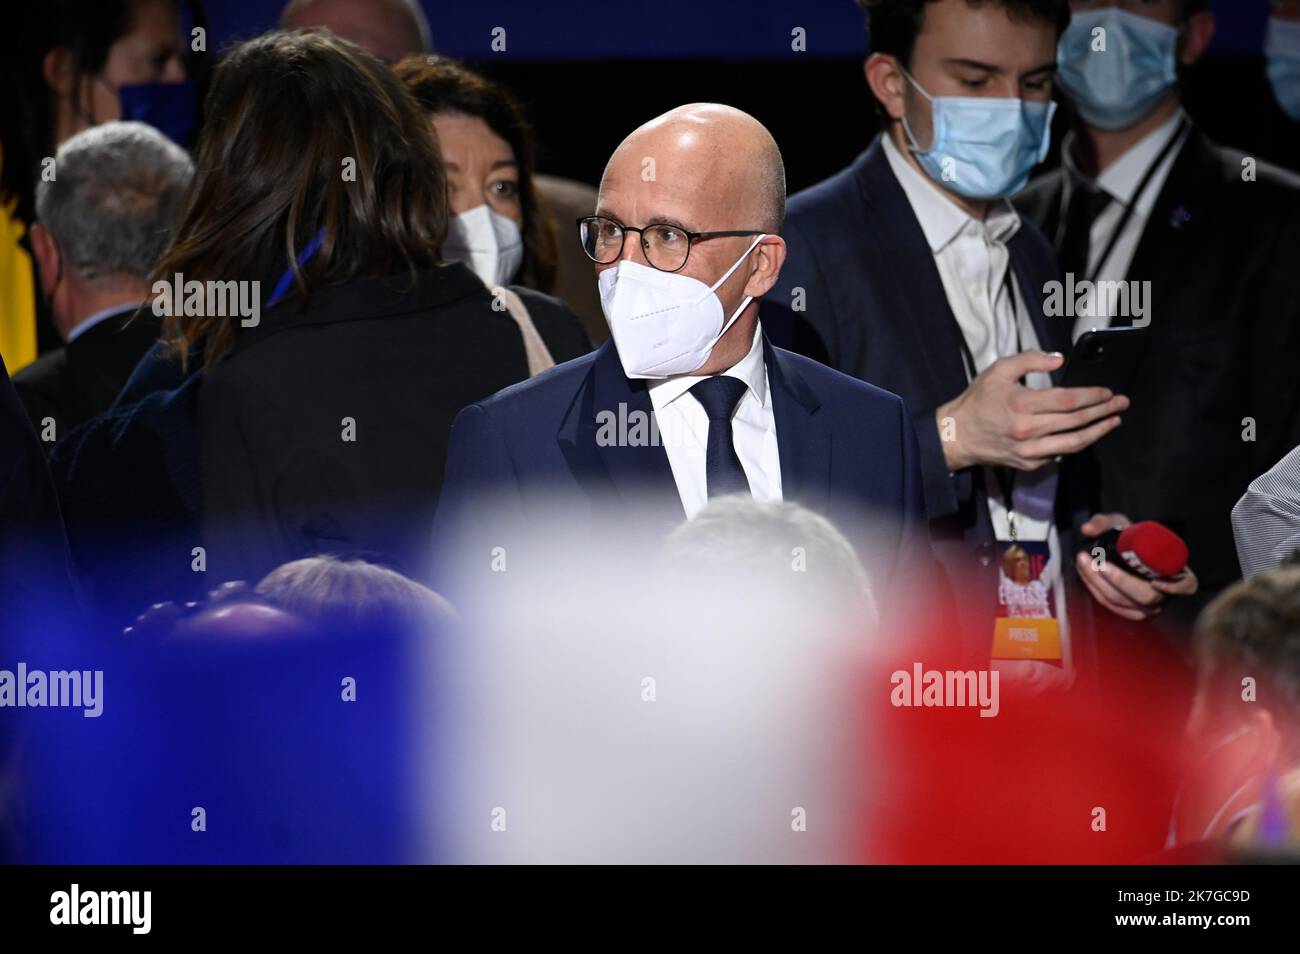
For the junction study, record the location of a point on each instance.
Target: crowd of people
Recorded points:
(299, 340)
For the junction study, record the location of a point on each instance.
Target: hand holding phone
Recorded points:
(1105, 358)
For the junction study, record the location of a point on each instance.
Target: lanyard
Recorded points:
(1005, 476)
(1147, 178)
(286, 280)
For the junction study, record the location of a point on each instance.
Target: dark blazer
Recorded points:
(1222, 351)
(35, 580)
(846, 449)
(873, 298)
(74, 383)
(874, 307)
(325, 429)
(1263, 129)
(128, 481)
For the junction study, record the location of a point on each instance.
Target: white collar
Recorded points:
(942, 219)
(751, 369)
(82, 327)
(1122, 177)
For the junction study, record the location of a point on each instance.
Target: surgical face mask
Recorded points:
(983, 148)
(664, 323)
(1116, 86)
(170, 108)
(1282, 48)
(488, 242)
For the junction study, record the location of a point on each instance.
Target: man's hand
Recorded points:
(999, 421)
(1118, 590)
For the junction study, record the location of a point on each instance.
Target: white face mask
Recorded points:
(488, 242)
(664, 323)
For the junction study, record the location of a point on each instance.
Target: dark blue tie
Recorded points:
(719, 397)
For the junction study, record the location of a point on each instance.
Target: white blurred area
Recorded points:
(623, 702)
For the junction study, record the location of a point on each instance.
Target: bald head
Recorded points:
(719, 159)
(704, 168)
(388, 29)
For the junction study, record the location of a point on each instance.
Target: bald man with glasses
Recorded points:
(688, 400)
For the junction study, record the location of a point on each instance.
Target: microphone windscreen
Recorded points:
(1152, 549)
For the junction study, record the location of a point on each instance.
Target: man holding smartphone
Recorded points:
(917, 275)
(1142, 198)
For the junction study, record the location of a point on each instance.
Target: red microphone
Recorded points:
(1147, 549)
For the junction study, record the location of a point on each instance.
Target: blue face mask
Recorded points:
(171, 108)
(983, 148)
(1282, 48)
(1114, 87)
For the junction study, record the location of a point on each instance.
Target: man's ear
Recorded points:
(887, 82)
(46, 252)
(1196, 39)
(767, 266)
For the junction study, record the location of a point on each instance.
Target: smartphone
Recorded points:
(1105, 358)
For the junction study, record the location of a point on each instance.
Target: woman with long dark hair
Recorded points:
(328, 347)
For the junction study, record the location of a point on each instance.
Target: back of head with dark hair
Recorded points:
(893, 25)
(297, 111)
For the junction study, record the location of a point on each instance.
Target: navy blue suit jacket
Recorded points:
(846, 448)
(861, 291)
(874, 301)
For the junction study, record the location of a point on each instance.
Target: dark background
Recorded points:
(589, 71)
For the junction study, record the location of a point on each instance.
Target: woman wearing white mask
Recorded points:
(498, 228)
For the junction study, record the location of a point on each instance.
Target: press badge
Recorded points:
(1026, 626)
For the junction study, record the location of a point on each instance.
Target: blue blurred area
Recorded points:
(670, 29)
(256, 732)
(1240, 26)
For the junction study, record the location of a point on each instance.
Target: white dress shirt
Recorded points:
(684, 431)
(974, 265)
(1120, 180)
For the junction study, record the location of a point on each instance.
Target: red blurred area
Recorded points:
(1083, 776)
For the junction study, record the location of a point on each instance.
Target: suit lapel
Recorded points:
(899, 253)
(642, 473)
(606, 439)
(1051, 335)
(803, 442)
(1048, 213)
(1174, 219)
(917, 289)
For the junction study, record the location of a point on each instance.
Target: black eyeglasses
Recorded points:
(666, 247)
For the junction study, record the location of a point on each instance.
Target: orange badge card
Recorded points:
(1026, 627)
